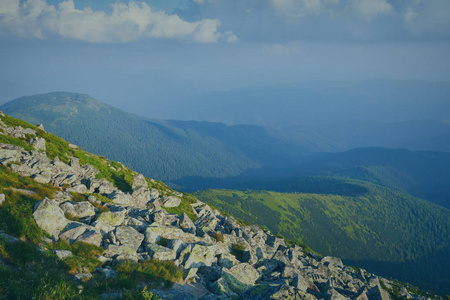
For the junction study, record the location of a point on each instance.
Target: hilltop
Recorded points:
(68, 213)
(166, 150)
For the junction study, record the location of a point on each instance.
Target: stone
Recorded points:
(38, 143)
(61, 254)
(83, 276)
(198, 256)
(49, 217)
(72, 231)
(2, 198)
(107, 272)
(79, 188)
(91, 237)
(140, 191)
(115, 218)
(152, 233)
(245, 273)
(103, 226)
(9, 238)
(129, 237)
(78, 209)
(186, 223)
(332, 262)
(170, 201)
(160, 252)
(112, 251)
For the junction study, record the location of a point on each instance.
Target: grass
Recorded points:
(238, 251)
(84, 256)
(218, 236)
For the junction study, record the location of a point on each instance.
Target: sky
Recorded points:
(139, 55)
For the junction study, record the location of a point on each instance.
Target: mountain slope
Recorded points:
(375, 113)
(367, 225)
(78, 226)
(161, 149)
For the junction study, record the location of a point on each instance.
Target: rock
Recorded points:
(41, 127)
(50, 217)
(103, 226)
(377, 293)
(119, 198)
(245, 272)
(107, 272)
(78, 209)
(171, 201)
(9, 238)
(140, 191)
(115, 218)
(79, 188)
(206, 222)
(72, 231)
(2, 198)
(129, 237)
(198, 256)
(83, 276)
(61, 254)
(41, 178)
(91, 237)
(332, 262)
(153, 233)
(160, 252)
(113, 251)
(38, 143)
(186, 223)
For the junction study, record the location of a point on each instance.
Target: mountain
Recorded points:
(75, 225)
(378, 113)
(163, 149)
(367, 225)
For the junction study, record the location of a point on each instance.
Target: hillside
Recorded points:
(367, 225)
(372, 113)
(162, 149)
(78, 226)
(424, 174)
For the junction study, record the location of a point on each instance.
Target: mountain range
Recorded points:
(352, 203)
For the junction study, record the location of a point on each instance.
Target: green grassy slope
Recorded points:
(387, 231)
(30, 270)
(159, 149)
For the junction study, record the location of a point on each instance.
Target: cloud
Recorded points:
(297, 8)
(127, 22)
(369, 9)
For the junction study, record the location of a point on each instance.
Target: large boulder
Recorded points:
(186, 223)
(129, 237)
(78, 209)
(245, 273)
(140, 191)
(197, 256)
(38, 143)
(160, 252)
(50, 217)
(171, 201)
(115, 218)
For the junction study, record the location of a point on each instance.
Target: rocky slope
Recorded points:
(145, 221)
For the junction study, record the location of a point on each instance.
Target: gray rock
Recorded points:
(332, 262)
(50, 217)
(198, 256)
(140, 191)
(78, 209)
(186, 223)
(129, 237)
(160, 252)
(91, 237)
(115, 218)
(83, 276)
(245, 272)
(171, 201)
(61, 254)
(9, 238)
(38, 143)
(2, 198)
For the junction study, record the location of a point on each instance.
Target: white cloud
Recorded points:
(127, 22)
(369, 9)
(297, 8)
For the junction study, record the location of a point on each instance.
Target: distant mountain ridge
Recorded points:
(162, 149)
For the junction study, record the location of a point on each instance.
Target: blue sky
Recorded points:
(129, 52)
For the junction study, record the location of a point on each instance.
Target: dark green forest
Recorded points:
(369, 226)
